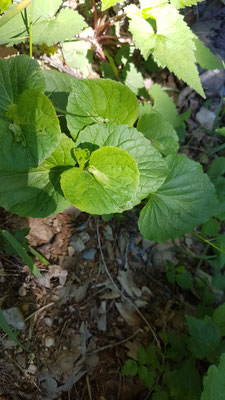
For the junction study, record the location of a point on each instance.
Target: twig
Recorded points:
(39, 310)
(121, 293)
(88, 387)
(110, 346)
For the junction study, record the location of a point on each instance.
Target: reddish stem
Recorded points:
(95, 14)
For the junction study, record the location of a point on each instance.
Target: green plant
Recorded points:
(175, 370)
(102, 164)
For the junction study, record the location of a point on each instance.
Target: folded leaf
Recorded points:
(152, 168)
(100, 100)
(105, 185)
(185, 200)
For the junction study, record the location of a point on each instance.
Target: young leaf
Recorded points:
(7, 329)
(16, 75)
(142, 356)
(31, 133)
(214, 382)
(184, 3)
(205, 58)
(78, 55)
(37, 193)
(106, 185)
(219, 318)
(180, 204)
(205, 337)
(143, 372)
(185, 382)
(170, 272)
(152, 167)
(161, 134)
(130, 368)
(184, 278)
(100, 100)
(210, 228)
(217, 168)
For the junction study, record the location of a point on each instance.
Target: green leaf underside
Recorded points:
(214, 382)
(35, 121)
(205, 337)
(164, 104)
(38, 193)
(16, 75)
(99, 100)
(184, 3)
(172, 45)
(185, 200)
(153, 169)
(106, 185)
(160, 132)
(205, 58)
(45, 28)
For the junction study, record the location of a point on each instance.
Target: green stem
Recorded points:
(30, 27)
(208, 242)
(37, 255)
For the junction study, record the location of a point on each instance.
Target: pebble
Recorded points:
(15, 318)
(71, 251)
(89, 254)
(32, 369)
(108, 232)
(206, 118)
(84, 237)
(48, 322)
(49, 341)
(77, 243)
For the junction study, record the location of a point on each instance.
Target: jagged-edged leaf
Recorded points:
(130, 368)
(185, 383)
(216, 168)
(205, 58)
(214, 382)
(211, 227)
(38, 193)
(160, 132)
(184, 3)
(66, 24)
(16, 75)
(106, 185)
(29, 133)
(184, 278)
(185, 200)
(205, 336)
(133, 78)
(152, 168)
(100, 100)
(164, 104)
(109, 3)
(143, 33)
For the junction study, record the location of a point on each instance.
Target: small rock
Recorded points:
(206, 118)
(15, 318)
(49, 341)
(108, 232)
(84, 237)
(71, 251)
(77, 243)
(48, 322)
(32, 369)
(146, 244)
(22, 291)
(89, 254)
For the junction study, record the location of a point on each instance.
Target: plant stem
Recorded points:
(95, 14)
(208, 242)
(30, 27)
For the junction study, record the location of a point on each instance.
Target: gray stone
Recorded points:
(206, 118)
(15, 318)
(89, 254)
(77, 243)
(108, 232)
(84, 237)
(49, 341)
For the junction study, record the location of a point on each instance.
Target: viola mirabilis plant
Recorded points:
(101, 164)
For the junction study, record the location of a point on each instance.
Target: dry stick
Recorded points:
(39, 310)
(121, 293)
(88, 387)
(110, 346)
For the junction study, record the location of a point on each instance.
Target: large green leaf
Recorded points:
(159, 131)
(185, 200)
(100, 100)
(172, 42)
(16, 75)
(43, 9)
(164, 104)
(66, 24)
(205, 337)
(153, 169)
(214, 382)
(58, 85)
(106, 185)
(30, 134)
(37, 193)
